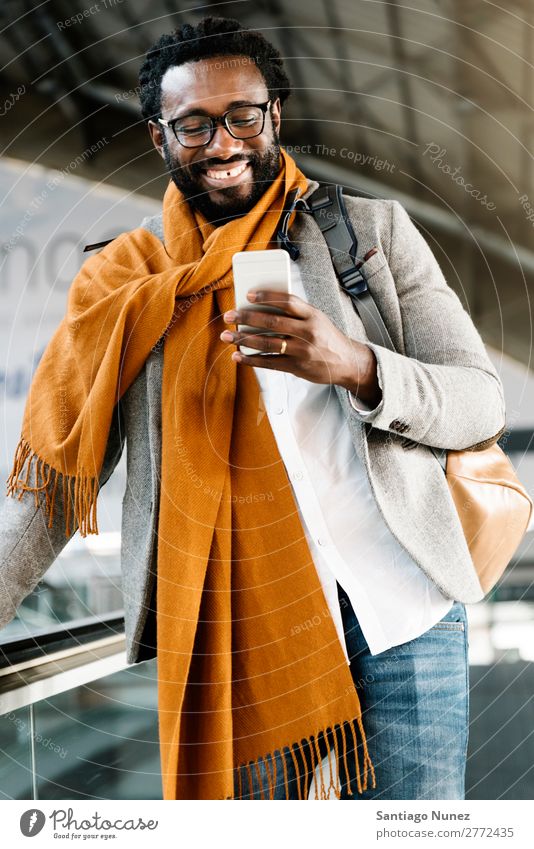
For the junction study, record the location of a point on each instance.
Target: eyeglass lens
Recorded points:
(243, 122)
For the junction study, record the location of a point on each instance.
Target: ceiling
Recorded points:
(388, 99)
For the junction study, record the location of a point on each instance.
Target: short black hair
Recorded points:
(209, 38)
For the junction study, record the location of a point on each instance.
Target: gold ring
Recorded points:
(284, 346)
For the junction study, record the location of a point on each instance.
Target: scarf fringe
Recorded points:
(79, 492)
(303, 769)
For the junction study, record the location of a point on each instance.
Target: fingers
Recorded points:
(269, 357)
(293, 306)
(280, 324)
(261, 342)
(290, 304)
(272, 361)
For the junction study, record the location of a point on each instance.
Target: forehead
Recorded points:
(211, 84)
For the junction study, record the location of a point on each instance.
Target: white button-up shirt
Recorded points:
(349, 540)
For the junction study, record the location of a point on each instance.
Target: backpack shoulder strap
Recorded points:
(327, 205)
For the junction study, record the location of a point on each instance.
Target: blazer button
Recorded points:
(399, 425)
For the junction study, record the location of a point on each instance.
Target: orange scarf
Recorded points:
(241, 673)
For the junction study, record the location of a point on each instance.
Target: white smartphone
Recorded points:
(251, 270)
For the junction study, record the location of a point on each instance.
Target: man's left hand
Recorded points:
(316, 349)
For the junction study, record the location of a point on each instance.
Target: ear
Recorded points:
(276, 114)
(156, 134)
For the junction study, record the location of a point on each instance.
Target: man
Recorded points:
(255, 642)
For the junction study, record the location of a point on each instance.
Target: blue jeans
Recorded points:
(415, 712)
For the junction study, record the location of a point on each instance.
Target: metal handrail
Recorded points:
(32, 681)
(66, 638)
(57, 659)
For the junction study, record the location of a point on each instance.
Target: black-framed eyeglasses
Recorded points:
(242, 122)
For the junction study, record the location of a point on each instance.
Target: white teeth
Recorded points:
(223, 175)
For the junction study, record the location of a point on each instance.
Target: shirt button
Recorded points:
(298, 476)
(321, 541)
(279, 410)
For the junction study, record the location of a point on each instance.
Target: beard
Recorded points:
(265, 167)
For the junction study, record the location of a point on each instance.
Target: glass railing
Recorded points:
(96, 741)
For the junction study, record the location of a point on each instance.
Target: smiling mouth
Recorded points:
(224, 175)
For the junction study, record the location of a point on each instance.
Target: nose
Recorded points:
(223, 144)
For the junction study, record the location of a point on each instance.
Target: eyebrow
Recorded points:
(201, 111)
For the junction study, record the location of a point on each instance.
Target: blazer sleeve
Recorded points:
(445, 392)
(28, 547)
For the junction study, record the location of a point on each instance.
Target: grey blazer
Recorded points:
(439, 389)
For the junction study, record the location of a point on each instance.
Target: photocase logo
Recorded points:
(31, 822)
